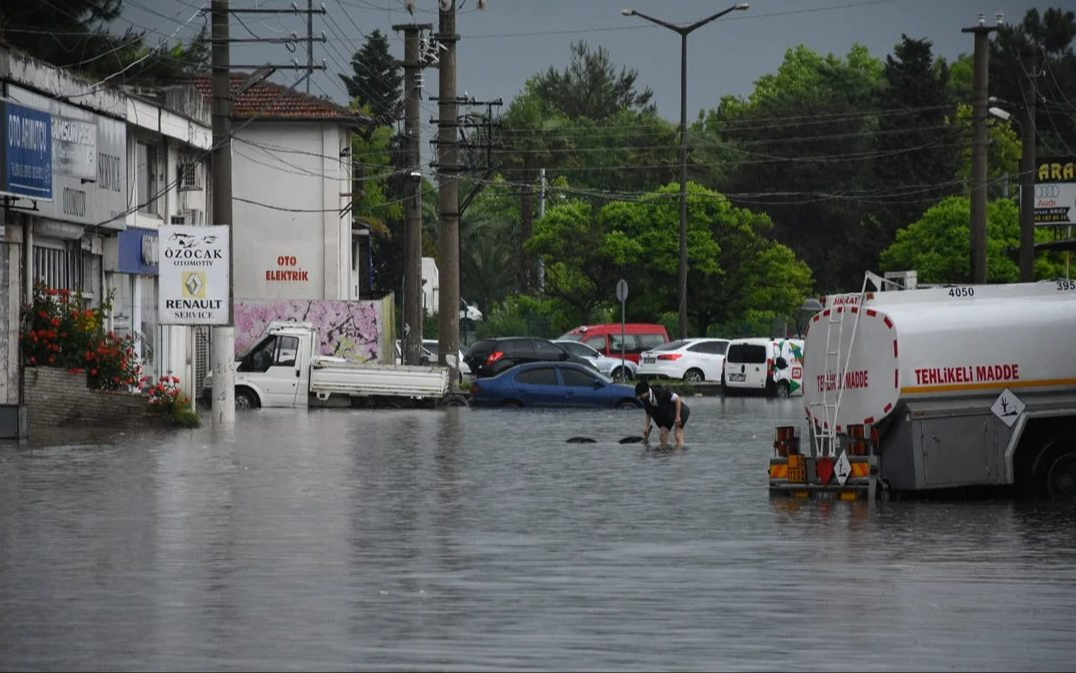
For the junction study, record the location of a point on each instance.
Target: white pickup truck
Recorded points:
(284, 369)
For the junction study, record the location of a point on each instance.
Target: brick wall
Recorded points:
(55, 397)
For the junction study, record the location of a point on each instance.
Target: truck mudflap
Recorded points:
(799, 476)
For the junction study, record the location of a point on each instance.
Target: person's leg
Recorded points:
(664, 437)
(680, 436)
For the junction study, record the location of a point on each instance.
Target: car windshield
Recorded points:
(673, 345)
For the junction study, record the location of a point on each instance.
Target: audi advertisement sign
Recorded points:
(1055, 192)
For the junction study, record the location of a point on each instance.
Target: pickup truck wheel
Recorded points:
(454, 400)
(245, 400)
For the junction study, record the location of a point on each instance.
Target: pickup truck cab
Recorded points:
(284, 369)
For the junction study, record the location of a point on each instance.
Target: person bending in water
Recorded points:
(666, 409)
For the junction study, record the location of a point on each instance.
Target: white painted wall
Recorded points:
(304, 252)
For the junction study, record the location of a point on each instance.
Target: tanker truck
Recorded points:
(914, 391)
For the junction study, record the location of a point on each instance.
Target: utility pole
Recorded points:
(541, 214)
(1027, 170)
(448, 182)
(309, 41)
(412, 299)
(223, 404)
(978, 148)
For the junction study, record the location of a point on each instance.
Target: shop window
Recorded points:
(149, 178)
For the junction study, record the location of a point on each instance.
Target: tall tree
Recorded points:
(590, 86)
(376, 79)
(804, 140)
(75, 34)
(1040, 46)
(918, 144)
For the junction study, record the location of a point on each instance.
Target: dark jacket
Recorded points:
(663, 410)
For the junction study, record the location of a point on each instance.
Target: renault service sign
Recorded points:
(194, 275)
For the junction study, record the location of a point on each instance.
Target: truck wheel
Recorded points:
(245, 400)
(784, 390)
(454, 400)
(694, 376)
(1055, 473)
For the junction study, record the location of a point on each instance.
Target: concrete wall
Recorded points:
(56, 398)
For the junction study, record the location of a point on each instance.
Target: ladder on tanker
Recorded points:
(833, 369)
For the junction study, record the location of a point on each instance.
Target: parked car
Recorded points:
(606, 338)
(489, 357)
(552, 384)
(431, 345)
(614, 368)
(427, 356)
(772, 366)
(689, 359)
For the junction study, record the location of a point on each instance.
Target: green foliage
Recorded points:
(590, 87)
(58, 332)
(938, 245)
(524, 315)
(375, 82)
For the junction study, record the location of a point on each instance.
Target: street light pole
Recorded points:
(683, 31)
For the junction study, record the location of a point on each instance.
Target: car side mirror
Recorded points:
(781, 363)
(598, 384)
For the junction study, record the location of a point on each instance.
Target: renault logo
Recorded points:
(194, 284)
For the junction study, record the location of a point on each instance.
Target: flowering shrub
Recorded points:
(58, 332)
(166, 398)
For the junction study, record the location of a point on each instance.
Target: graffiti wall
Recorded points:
(349, 329)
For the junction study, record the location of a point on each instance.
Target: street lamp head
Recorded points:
(628, 12)
(742, 6)
(1001, 114)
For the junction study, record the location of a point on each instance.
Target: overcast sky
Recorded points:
(512, 40)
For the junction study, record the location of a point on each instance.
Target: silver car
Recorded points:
(611, 367)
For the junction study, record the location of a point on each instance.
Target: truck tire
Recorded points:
(246, 399)
(1054, 472)
(454, 400)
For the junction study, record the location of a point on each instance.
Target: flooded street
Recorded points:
(470, 539)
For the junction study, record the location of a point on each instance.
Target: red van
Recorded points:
(605, 339)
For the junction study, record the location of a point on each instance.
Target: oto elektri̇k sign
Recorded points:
(195, 278)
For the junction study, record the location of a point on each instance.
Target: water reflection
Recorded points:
(480, 539)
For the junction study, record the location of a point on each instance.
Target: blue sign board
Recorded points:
(26, 144)
(138, 252)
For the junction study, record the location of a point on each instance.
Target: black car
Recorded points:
(490, 357)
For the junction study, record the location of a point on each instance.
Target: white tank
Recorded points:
(965, 341)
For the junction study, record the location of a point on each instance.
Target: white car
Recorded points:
(431, 347)
(692, 360)
(611, 367)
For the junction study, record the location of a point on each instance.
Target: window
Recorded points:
(188, 176)
(710, 347)
(549, 351)
(650, 341)
(631, 344)
(577, 379)
(260, 358)
(287, 347)
(51, 267)
(597, 343)
(543, 376)
(148, 177)
(747, 353)
(518, 348)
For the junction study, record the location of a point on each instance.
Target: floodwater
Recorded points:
(472, 539)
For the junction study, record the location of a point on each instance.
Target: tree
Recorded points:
(804, 142)
(376, 79)
(918, 144)
(590, 87)
(936, 246)
(74, 34)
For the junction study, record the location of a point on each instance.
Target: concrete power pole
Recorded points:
(412, 299)
(978, 148)
(1027, 172)
(448, 182)
(223, 337)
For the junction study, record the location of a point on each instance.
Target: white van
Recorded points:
(772, 366)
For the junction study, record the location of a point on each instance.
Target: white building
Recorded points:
(292, 186)
(85, 207)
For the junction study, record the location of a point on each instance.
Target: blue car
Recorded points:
(552, 384)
